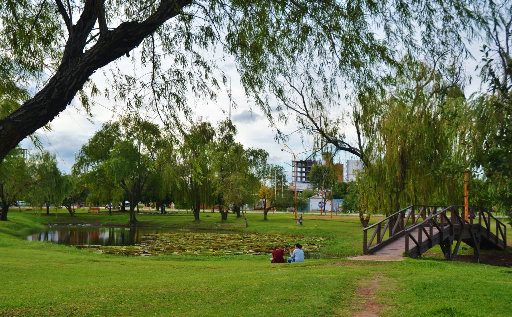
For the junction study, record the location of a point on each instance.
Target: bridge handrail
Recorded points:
(387, 218)
(500, 229)
(401, 220)
(418, 224)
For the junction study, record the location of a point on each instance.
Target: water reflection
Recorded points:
(94, 235)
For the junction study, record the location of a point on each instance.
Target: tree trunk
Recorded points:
(364, 219)
(5, 209)
(110, 209)
(5, 205)
(47, 209)
(246, 222)
(237, 210)
(223, 214)
(70, 210)
(133, 219)
(123, 206)
(197, 209)
(265, 212)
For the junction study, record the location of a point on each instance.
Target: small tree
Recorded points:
(77, 191)
(48, 184)
(322, 177)
(267, 195)
(14, 180)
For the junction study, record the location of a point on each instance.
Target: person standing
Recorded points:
(297, 255)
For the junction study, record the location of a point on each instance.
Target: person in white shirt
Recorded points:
(297, 255)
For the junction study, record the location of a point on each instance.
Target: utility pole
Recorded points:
(275, 182)
(282, 187)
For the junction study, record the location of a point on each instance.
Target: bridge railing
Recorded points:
(499, 229)
(450, 219)
(441, 221)
(394, 225)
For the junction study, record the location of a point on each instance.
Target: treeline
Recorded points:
(134, 160)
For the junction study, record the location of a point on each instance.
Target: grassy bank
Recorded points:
(46, 279)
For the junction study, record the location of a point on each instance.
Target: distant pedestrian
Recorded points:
(299, 221)
(277, 256)
(297, 255)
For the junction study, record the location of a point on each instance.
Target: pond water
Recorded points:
(157, 241)
(97, 236)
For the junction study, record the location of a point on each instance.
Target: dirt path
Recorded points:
(365, 297)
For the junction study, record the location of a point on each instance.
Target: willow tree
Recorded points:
(490, 124)
(234, 174)
(193, 172)
(14, 180)
(413, 142)
(51, 48)
(121, 157)
(48, 184)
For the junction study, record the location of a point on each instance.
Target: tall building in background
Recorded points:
(303, 169)
(353, 166)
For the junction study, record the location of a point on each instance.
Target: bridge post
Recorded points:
(406, 242)
(497, 231)
(420, 238)
(365, 242)
(480, 212)
(505, 236)
(431, 225)
(379, 239)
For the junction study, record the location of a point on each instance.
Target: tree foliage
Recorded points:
(490, 125)
(194, 166)
(48, 185)
(14, 180)
(323, 177)
(58, 45)
(413, 142)
(119, 160)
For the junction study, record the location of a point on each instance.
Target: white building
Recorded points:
(353, 166)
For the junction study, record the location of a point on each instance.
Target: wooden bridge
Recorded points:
(415, 229)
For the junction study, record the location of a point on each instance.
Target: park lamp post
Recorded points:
(295, 174)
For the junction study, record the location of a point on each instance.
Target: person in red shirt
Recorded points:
(277, 256)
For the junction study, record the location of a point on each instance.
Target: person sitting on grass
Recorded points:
(297, 255)
(277, 256)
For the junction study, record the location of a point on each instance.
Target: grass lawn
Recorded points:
(47, 279)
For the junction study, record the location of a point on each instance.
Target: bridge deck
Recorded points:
(397, 247)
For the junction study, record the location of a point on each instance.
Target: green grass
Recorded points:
(41, 279)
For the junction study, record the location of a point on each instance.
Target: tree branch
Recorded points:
(77, 66)
(102, 20)
(37, 16)
(65, 16)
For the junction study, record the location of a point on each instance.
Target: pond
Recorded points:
(94, 236)
(158, 241)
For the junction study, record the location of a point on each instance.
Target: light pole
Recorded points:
(295, 178)
(294, 165)
(282, 187)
